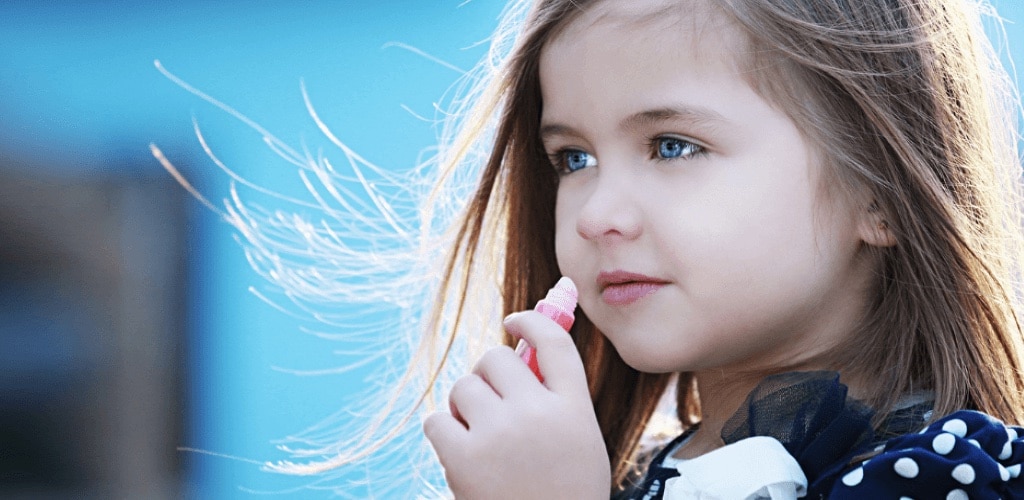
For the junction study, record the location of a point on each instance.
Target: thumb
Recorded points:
(557, 356)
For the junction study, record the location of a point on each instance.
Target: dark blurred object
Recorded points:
(91, 307)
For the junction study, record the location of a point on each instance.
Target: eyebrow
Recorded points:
(696, 116)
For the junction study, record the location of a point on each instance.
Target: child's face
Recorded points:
(708, 195)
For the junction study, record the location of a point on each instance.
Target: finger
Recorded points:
(557, 356)
(506, 373)
(445, 434)
(472, 399)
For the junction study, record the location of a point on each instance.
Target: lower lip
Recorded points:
(628, 293)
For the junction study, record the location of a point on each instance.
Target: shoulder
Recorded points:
(967, 454)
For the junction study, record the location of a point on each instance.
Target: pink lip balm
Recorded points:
(557, 305)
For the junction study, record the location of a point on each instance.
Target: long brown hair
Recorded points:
(907, 102)
(518, 186)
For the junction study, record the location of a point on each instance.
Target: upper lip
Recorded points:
(607, 278)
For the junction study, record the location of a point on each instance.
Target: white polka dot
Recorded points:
(957, 495)
(1007, 451)
(964, 473)
(943, 443)
(1011, 433)
(906, 467)
(854, 477)
(906, 498)
(1014, 470)
(956, 426)
(880, 447)
(974, 442)
(1003, 473)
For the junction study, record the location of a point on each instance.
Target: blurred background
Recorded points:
(126, 328)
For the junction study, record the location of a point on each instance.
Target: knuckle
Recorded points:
(535, 410)
(464, 385)
(486, 360)
(563, 341)
(430, 425)
(495, 355)
(458, 388)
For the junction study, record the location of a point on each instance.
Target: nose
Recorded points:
(611, 211)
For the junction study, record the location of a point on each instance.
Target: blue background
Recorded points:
(80, 94)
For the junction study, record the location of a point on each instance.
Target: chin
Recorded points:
(644, 361)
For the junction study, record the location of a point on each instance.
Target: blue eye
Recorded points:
(571, 160)
(670, 148)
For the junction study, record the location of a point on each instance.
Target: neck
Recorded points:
(722, 395)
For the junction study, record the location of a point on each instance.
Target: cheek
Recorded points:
(565, 235)
(740, 243)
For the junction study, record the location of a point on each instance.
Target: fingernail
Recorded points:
(521, 346)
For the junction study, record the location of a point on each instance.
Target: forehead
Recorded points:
(697, 26)
(617, 58)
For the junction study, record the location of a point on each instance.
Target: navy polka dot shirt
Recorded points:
(965, 455)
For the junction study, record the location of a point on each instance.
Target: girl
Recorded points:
(798, 219)
(808, 210)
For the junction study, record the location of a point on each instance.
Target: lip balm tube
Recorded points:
(558, 305)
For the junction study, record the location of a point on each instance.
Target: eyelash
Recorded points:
(558, 158)
(695, 150)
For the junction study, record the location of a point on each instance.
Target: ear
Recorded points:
(874, 229)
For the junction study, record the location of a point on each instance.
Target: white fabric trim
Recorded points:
(754, 468)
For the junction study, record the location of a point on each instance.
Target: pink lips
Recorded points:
(620, 288)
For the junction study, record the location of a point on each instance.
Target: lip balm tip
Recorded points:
(566, 284)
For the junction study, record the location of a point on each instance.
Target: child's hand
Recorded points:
(509, 436)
